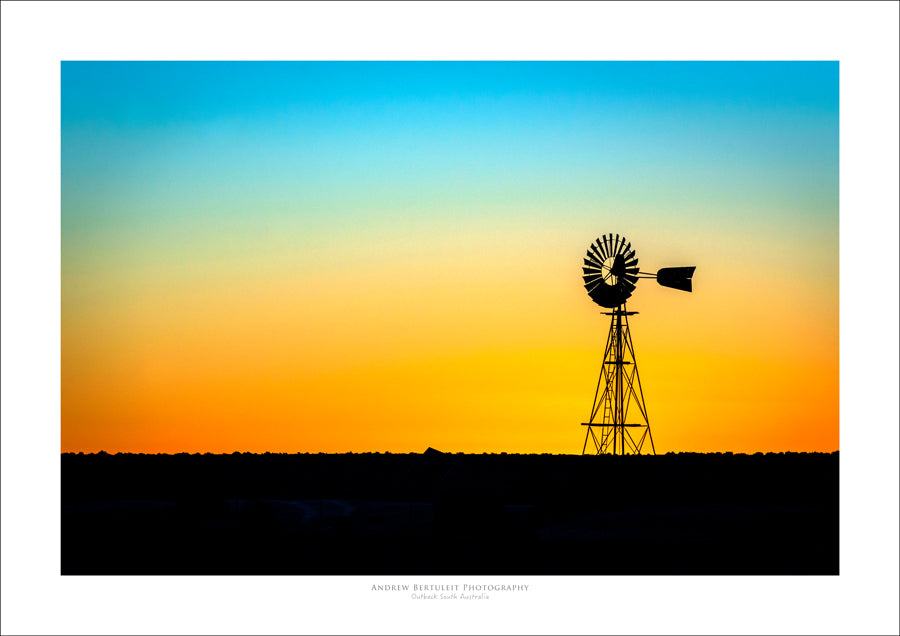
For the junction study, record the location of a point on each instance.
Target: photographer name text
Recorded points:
(451, 592)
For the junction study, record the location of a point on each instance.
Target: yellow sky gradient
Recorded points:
(464, 344)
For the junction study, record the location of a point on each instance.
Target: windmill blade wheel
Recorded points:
(610, 270)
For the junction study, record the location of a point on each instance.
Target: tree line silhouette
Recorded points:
(436, 513)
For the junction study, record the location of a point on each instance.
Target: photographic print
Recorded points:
(442, 318)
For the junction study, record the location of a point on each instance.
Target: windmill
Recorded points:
(610, 275)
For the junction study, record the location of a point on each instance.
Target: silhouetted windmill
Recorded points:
(610, 276)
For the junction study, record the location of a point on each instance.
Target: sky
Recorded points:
(374, 257)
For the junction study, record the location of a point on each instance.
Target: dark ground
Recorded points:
(437, 513)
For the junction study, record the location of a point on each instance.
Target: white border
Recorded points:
(862, 36)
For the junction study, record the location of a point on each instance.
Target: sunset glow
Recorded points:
(362, 257)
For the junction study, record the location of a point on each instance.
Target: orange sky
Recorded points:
(249, 277)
